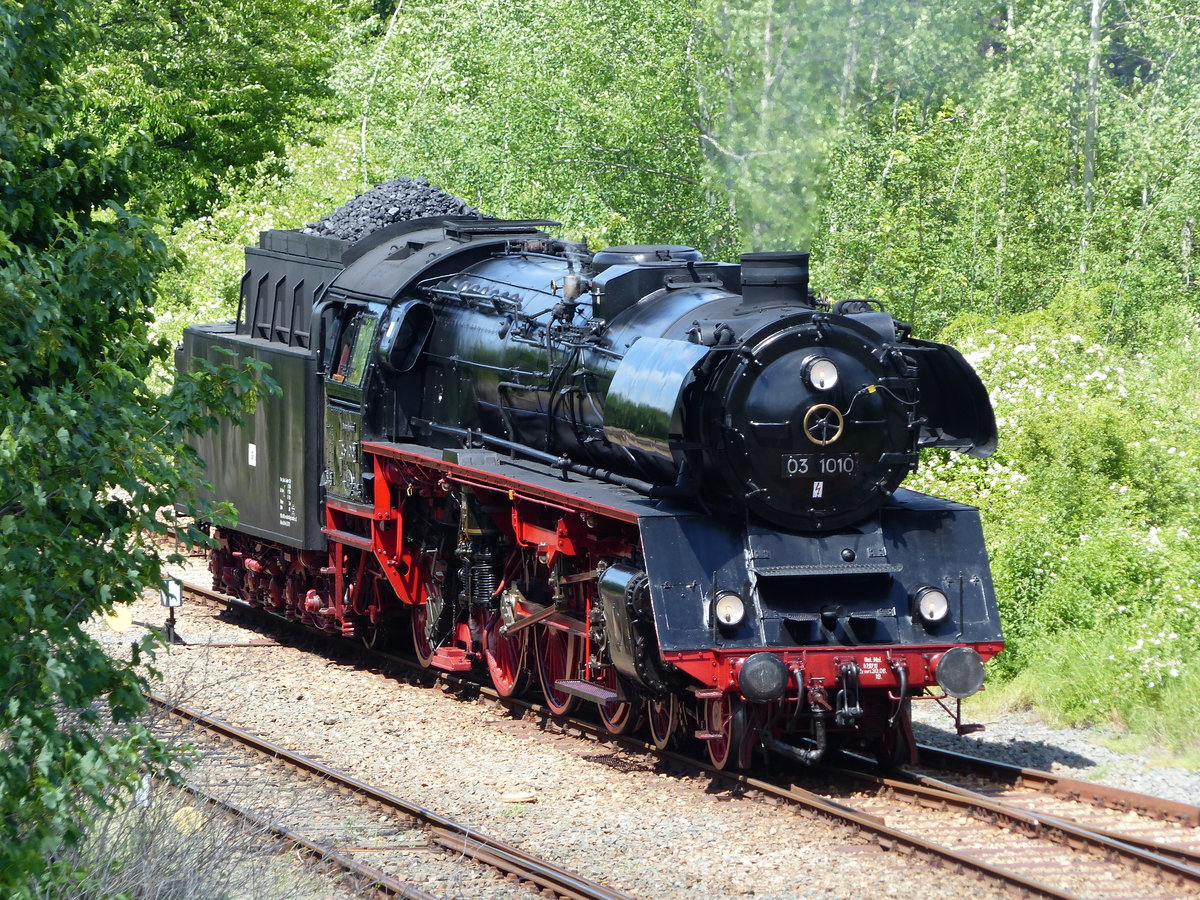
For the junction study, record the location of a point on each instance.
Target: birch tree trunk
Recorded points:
(1091, 126)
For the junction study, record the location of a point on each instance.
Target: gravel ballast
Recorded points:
(611, 815)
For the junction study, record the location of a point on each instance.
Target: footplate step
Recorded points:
(451, 659)
(586, 690)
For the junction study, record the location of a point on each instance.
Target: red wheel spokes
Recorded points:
(557, 660)
(662, 717)
(726, 715)
(418, 615)
(505, 657)
(620, 716)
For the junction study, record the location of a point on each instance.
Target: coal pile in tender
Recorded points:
(397, 200)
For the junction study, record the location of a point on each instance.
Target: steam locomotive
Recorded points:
(665, 486)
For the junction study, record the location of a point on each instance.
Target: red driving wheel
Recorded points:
(505, 656)
(726, 716)
(557, 660)
(620, 716)
(419, 616)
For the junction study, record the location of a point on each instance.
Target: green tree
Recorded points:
(1060, 152)
(963, 156)
(800, 82)
(88, 453)
(216, 87)
(579, 111)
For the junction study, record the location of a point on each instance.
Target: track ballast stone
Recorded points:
(397, 200)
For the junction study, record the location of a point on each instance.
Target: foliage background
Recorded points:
(1019, 178)
(90, 451)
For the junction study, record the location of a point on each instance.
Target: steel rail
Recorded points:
(883, 835)
(1070, 788)
(1180, 855)
(1034, 824)
(1170, 863)
(871, 826)
(446, 832)
(370, 874)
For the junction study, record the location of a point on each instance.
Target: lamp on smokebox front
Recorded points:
(821, 373)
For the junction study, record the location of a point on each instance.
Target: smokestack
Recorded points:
(770, 279)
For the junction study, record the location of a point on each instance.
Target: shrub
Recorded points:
(1090, 505)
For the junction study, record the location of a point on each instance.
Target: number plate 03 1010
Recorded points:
(819, 465)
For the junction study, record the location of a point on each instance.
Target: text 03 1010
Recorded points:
(817, 465)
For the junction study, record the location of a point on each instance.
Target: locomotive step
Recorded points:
(586, 690)
(358, 541)
(451, 659)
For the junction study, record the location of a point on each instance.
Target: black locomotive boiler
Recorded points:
(664, 486)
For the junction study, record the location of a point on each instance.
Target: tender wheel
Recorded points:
(557, 660)
(726, 715)
(505, 656)
(419, 616)
(619, 717)
(662, 718)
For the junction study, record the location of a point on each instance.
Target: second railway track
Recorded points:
(1158, 825)
(1072, 855)
(344, 819)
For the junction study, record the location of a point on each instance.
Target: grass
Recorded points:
(173, 847)
(1164, 737)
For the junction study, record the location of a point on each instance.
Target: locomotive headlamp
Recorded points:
(821, 373)
(932, 604)
(730, 609)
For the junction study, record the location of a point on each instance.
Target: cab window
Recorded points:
(352, 348)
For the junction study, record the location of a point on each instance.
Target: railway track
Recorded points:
(340, 819)
(929, 815)
(1004, 777)
(1167, 827)
(1033, 852)
(1073, 855)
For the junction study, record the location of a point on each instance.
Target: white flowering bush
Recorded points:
(1091, 507)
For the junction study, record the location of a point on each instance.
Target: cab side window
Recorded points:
(364, 328)
(348, 346)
